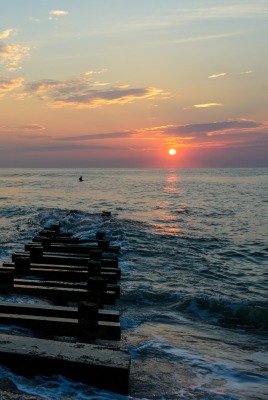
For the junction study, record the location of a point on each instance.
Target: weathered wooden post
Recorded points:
(55, 227)
(46, 241)
(96, 284)
(109, 262)
(103, 244)
(95, 254)
(22, 262)
(48, 233)
(6, 281)
(36, 253)
(87, 311)
(93, 267)
(100, 235)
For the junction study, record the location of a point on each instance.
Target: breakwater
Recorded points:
(81, 281)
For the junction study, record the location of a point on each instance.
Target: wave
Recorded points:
(227, 312)
(56, 387)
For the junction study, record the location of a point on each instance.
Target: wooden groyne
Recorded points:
(78, 334)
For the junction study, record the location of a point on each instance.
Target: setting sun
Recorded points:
(172, 152)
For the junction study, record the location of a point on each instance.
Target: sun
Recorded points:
(172, 152)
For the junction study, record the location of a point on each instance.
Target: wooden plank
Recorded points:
(65, 285)
(98, 366)
(63, 259)
(54, 273)
(54, 311)
(54, 326)
(72, 248)
(63, 296)
(105, 266)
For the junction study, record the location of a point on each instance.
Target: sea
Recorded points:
(194, 257)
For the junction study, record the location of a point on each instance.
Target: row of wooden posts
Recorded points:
(69, 335)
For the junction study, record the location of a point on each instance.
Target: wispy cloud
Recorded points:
(22, 128)
(246, 72)
(204, 105)
(34, 19)
(211, 133)
(8, 85)
(207, 105)
(200, 38)
(211, 128)
(83, 93)
(5, 34)
(12, 55)
(99, 136)
(54, 14)
(231, 133)
(93, 72)
(217, 75)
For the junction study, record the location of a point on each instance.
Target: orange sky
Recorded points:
(113, 84)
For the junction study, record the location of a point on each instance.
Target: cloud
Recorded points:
(82, 93)
(58, 12)
(190, 134)
(97, 83)
(246, 72)
(98, 98)
(7, 85)
(12, 55)
(54, 147)
(210, 129)
(204, 105)
(34, 19)
(92, 72)
(193, 39)
(5, 34)
(207, 105)
(227, 134)
(54, 14)
(217, 75)
(100, 136)
(22, 128)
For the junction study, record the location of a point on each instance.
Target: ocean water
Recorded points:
(194, 257)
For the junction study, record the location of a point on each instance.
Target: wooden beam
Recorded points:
(55, 273)
(98, 366)
(63, 296)
(54, 326)
(54, 311)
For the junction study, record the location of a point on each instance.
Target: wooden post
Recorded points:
(96, 284)
(95, 254)
(46, 241)
(22, 262)
(6, 280)
(109, 262)
(48, 233)
(103, 244)
(100, 235)
(36, 252)
(93, 267)
(87, 311)
(55, 227)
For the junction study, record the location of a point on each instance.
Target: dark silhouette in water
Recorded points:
(81, 179)
(106, 213)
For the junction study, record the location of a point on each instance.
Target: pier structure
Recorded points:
(77, 333)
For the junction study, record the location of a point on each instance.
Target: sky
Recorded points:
(116, 83)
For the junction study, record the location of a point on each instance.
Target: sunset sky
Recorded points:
(116, 83)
